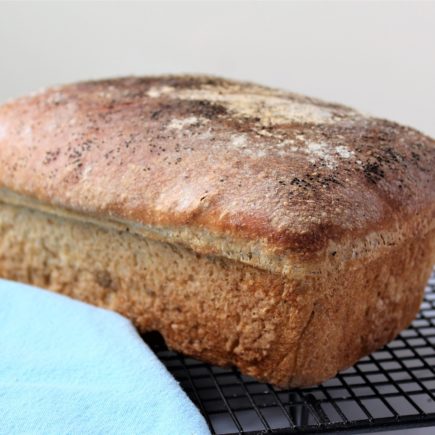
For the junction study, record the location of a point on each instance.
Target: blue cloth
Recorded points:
(70, 368)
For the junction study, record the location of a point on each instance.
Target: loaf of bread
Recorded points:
(250, 226)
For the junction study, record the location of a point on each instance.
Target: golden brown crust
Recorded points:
(236, 160)
(290, 332)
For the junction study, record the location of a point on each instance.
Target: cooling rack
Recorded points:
(392, 388)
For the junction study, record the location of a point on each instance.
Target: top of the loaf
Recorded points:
(203, 158)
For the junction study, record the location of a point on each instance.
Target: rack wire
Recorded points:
(391, 388)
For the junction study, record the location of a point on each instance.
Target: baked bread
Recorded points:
(249, 226)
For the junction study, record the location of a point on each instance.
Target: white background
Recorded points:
(376, 56)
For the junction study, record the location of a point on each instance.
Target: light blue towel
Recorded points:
(69, 368)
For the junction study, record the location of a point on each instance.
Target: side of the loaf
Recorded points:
(282, 329)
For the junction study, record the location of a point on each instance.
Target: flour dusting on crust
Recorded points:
(268, 106)
(179, 124)
(269, 109)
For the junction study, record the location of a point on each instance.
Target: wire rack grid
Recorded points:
(391, 388)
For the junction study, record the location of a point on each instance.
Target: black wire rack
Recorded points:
(391, 388)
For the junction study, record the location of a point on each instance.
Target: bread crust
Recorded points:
(250, 226)
(278, 174)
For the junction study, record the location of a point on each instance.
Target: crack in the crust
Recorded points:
(299, 343)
